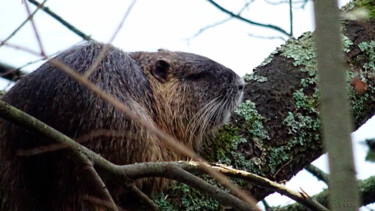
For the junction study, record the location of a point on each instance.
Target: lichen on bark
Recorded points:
(276, 130)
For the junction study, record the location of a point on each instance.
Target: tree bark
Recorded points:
(275, 132)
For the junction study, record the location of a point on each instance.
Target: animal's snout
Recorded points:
(240, 84)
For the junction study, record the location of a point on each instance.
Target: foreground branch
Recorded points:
(80, 152)
(366, 191)
(172, 170)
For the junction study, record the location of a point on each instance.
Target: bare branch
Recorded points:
(9, 72)
(208, 27)
(62, 21)
(366, 187)
(267, 37)
(218, 23)
(100, 184)
(291, 17)
(101, 202)
(144, 197)
(22, 48)
(22, 24)
(122, 21)
(42, 52)
(321, 175)
(247, 20)
(107, 45)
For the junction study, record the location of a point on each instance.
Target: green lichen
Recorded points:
(303, 126)
(228, 147)
(369, 5)
(304, 102)
(253, 77)
(369, 49)
(298, 125)
(277, 156)
(239, 160)
(300, 50)
(185, 198)
(360, 100)
(253, 120)
(268, 59)
(347, 43)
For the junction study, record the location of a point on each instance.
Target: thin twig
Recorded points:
(171, 142)
(265, 204)
(291, 17)
(22, 48)
(267, 37)
(100, 184)
(318, 173)
(97, 61)
(144, 197)
(247, 20)
(122, 21)
(42, 52)
(218, 23)
(208, 27)
(106, 47)
(62, 21)
(99, 201)
(22, 24)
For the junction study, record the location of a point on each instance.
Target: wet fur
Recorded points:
(193, 96)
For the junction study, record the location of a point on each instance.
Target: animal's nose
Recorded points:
(241, 87)
(241, 84)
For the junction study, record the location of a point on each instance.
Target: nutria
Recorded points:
(184, 94)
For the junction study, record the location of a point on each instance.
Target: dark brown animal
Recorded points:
(184, 94)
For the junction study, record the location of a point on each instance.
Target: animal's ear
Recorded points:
(161, 70)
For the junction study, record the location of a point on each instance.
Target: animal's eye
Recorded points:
(198, 76)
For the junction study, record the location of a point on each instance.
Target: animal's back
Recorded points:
(53, 97)
(184, 94)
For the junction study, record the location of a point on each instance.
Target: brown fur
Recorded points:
(184, 94)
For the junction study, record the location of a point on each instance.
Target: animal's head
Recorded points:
(194, 94)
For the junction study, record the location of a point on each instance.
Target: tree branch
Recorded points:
(81, 154)
(321, 175)
(247, 20)
(62, 21)
(366, 190)
(23, 23)
(171, 170)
